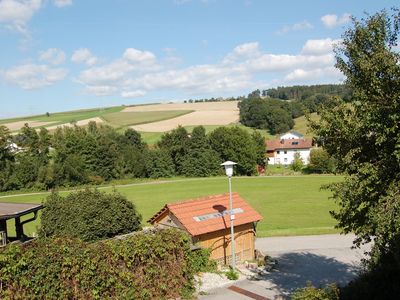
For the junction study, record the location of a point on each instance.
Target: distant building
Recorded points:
(282, 151)
(14, 148)
(291, 135)
(207, 221)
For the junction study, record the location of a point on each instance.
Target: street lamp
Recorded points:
(229, 172)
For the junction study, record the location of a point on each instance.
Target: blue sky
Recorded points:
(59, 55)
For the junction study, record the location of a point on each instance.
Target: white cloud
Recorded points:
(295, 27)
(62, 3)
(33, 76)
(133, 94)
(243, 51)
(136, 73)
(113, 72)
(101, 90)
(135, 55)
(285, 62)
(331, 21)
(247, 49)
(16, 13)
(328, 74)
(319, 47)
(52, 56)
(84, 55)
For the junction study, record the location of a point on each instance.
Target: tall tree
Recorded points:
(236, 144)
(363, 135)
(6, 158)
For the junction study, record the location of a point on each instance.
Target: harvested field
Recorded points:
(205, 117)
(19, 124)
(200, 106)
(141, 117)
(205, 113)
(78, 123)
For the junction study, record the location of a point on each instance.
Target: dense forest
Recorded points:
(98, 153)
(275, 109)
(302, 92)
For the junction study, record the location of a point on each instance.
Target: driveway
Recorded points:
(319, 259)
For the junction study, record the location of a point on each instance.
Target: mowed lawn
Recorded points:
(292, 205)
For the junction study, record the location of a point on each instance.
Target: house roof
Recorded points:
(288, 144)
(14, 210)
(209, 214)
(294, 133)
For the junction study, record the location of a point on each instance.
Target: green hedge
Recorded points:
(89, 215)
(155, 265)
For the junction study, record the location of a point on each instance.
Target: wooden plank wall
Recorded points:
(220, 243)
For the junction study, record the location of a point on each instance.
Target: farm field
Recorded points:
(125, 118)
(59, 118)
(292, 205)
(204, 113)
(152, 120)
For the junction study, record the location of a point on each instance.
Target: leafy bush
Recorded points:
(330, 292)
(297, 163)
(153, 265)
(201, 262)
(232, 274)
(320, 161)
(89, 215)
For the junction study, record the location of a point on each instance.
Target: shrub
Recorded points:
(297, 163)
(89, 215)
(321, 162)
(201, 262)
(232, 274)
(153, 265)
(330, 292)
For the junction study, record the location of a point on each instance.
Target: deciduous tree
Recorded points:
(363, 135)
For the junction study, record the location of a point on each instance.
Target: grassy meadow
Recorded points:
(290, 205)
(301, 126)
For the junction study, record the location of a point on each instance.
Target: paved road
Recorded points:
(319, 259)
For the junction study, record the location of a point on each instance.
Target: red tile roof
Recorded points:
(288, 144)
(188, 211)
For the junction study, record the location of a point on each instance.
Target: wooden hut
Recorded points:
(207, 221)
(16, 211)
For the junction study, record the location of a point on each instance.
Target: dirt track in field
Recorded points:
(205, 113)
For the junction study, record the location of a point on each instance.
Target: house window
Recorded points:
(285, 152)
(285, 159)
(277, 152)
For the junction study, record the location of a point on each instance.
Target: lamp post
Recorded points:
(229, 172)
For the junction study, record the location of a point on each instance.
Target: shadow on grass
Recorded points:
(294, 270)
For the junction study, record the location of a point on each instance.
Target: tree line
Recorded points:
(75, 155)
(275, 109)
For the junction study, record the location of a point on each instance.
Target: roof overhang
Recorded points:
(15, 210)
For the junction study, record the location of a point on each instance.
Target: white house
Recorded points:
(291, 135)
(282, 151)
